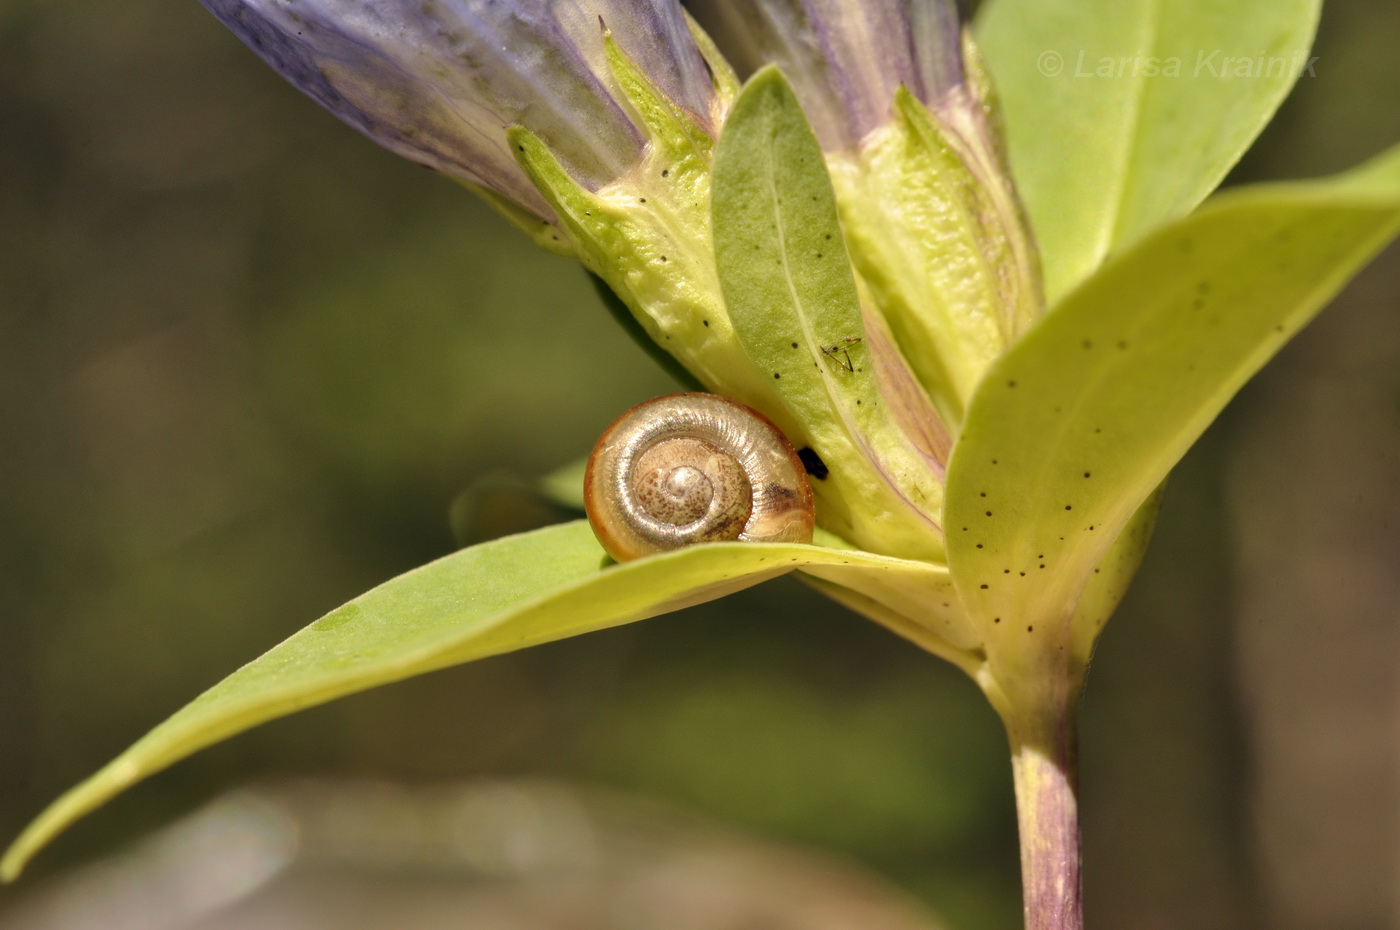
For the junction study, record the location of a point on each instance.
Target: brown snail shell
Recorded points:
(691, 468)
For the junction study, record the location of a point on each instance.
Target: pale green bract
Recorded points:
(1001, 544)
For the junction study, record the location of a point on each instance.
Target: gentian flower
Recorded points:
(440, 83)
(839, 244)
(593, 126)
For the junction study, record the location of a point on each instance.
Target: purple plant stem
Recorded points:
(1045, 767)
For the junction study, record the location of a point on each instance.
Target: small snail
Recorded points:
(691, 468)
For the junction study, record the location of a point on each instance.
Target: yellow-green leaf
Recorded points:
(1073, 428)
(490, 599)
(1124, 114)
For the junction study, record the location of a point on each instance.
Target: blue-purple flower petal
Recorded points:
(845, 58)
(439, 81)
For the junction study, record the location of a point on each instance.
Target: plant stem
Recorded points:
(1045, 766)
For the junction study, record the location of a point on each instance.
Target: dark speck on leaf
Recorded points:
(979, 545)
(665, 172)
(776, 376)
(794, 345)
(1069, 506)
(706, 322)
(984, 587)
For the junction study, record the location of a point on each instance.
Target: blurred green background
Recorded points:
(248, 361)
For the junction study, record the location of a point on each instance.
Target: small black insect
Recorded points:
(840, 354)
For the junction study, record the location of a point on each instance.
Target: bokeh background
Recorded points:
(249, 362)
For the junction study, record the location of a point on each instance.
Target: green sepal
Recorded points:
(726, 82)
(541, 232)
(667, 125)
(647, 237)
(939, 238)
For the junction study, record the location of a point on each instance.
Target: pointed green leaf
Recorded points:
(1123, 114)
(1074, 427)
(490, 599)
(791, 295)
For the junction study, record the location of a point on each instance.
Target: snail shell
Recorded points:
(692, 468)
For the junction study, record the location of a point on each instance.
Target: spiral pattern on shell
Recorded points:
(692, 468)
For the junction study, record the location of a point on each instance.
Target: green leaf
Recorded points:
(917, 600)
(564, 485)
(1102, 158)
(487, 600)
(1080, 420)
(791, 294)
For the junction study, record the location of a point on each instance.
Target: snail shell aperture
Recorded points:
(692, 468)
